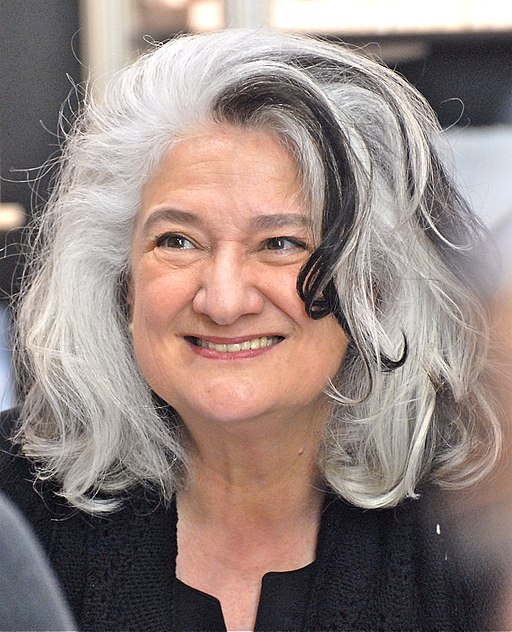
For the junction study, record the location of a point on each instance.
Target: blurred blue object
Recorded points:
(7, 388)
(30, 595)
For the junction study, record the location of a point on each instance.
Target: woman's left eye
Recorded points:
(284, 243)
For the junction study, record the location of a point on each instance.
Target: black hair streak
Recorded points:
(241, 104)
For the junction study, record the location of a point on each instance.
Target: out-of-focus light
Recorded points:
(12, 215)
(390, 16)
(206, 15)
(170, 4)
(175, 15)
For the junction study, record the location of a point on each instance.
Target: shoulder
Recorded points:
(8, 422)
(410, 555)
(13, 465)
(18, 479)
(402, 541)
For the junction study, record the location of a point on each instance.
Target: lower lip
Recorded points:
(231, 355)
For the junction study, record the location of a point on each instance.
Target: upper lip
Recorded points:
(218, 340)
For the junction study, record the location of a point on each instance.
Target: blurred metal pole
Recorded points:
(107, 28)
(250, 14)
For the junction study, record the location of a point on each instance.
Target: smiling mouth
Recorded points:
(254, 343)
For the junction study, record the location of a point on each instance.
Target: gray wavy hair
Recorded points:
(394, 244)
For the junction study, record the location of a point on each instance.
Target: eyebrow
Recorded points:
(280, 220)
(171, 215)
(262, 222)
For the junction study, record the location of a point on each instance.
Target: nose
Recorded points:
(228, 289)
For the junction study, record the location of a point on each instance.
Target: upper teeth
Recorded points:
(255, 343)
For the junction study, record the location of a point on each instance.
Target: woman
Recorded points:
(249, 320)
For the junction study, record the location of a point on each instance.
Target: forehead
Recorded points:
(228, 161)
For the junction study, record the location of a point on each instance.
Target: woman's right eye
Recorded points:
(174, 241)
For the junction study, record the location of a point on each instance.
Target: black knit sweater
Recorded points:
(390, 569)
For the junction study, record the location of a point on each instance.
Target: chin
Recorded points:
(228, 416)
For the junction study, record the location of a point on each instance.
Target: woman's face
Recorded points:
(219, 330)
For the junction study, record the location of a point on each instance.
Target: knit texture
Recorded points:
(386, 570)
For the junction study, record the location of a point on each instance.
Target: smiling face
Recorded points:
(219, 330)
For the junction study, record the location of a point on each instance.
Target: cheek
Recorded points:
(281, 290)
(157, 298)
(154, 309)
(150, 308)
(321, 344)
(328, 346)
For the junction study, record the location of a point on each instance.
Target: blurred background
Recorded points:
(457, 52)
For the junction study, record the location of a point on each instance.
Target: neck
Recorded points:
(248, 525)
(264, 468)
(252, 505)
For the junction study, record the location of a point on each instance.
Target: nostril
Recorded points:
(225, 299)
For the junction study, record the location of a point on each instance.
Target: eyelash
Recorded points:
(296, 243)
(162, 241)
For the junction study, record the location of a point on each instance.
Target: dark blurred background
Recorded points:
(39, 42)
